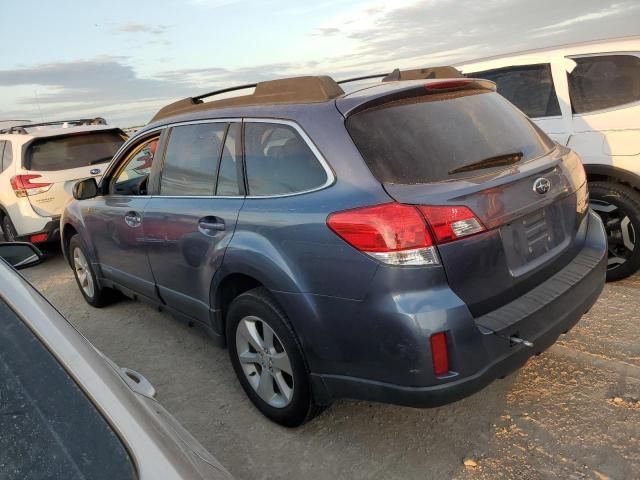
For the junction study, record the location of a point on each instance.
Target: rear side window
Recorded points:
(49, 428)
(279, 161)
(528, 87)
(73, 151)
(191, 159)
(423, 139)
(5, 155)
(604, 81)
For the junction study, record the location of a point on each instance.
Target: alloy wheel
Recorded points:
(81, 267)
(264, 361)
(621, 236)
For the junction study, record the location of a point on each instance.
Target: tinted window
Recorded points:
(73, 151)
(2, 167)
(132, 177)
(279, 161)
(421, 140)
(7, 156)
(528, 87)
(230, 163)
(191, 160)
(604, 81)
(49, 427)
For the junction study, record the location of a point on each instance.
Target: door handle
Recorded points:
(209, 225)
(132, 219)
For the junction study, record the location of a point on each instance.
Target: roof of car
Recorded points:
(295, 90)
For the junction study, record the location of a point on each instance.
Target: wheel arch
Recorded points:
(597, 172)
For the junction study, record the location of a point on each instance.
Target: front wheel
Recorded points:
(93, 293)
(619, 207)
(268, 360)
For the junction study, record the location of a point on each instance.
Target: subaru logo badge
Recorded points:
(541, 186)
(94, 171)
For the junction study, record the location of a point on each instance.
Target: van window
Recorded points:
(191, 159)
(425, 139)
(279, 161)
(528, 87)
(73, 151)
(604, 81)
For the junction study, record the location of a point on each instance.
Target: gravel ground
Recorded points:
(573, 412)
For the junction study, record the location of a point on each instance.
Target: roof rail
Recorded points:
(308, 89)
(22, 129)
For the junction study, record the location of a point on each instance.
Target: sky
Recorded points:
(123, 60)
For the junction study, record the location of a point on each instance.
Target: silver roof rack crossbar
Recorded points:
(22, 129)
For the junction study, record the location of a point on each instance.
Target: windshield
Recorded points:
(73, 151)
(429, 138)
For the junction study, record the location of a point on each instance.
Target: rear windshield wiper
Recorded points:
(491, 162)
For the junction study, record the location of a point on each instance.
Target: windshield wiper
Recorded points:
(491, 162)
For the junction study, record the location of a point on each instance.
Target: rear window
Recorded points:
(73, 151)
(421, 140)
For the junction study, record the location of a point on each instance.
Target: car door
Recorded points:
(115, 219)
(532, 89)
(190, 219)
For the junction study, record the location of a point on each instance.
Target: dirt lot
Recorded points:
(573, 412)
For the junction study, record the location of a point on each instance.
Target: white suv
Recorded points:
(40, 163)
(586, 96)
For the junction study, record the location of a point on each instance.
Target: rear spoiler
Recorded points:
(372, 98)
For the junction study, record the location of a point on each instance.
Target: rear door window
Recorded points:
(49, 428)
(2, 162)
(73, 151)
(424, 139)
(604, 81)
(279, 161)
(528, 87)
(191, 159)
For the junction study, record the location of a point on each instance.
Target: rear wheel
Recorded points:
(94, 294)
(619, 207)
(268, 360)
(9, 231)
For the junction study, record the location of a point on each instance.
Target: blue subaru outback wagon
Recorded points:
(407, 242)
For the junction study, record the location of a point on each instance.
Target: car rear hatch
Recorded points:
(514, 202)
(55, 163)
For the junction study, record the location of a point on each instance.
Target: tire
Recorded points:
(8, 230)
(252, 313)
(619, 207)
(85, 276)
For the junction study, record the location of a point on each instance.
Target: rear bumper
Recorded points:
(540, 316)
(50, 232)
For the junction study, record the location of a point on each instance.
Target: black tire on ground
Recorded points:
(259, 303)
(8, 230)
(98, 296)
(619, 207)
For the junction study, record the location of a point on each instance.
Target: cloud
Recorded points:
(133, 27)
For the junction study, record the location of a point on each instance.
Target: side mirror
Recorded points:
(85, 189)
(20, 254)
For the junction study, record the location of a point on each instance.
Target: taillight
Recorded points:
(24, 185)
(451, 222)
(447, 84)
(398, 234)
(39, 238)
(439, 353)
(393, 233)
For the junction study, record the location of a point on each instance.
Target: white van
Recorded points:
(586, 96)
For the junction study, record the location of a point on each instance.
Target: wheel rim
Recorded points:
(81, 268)
(264, 361)
(621, 236)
